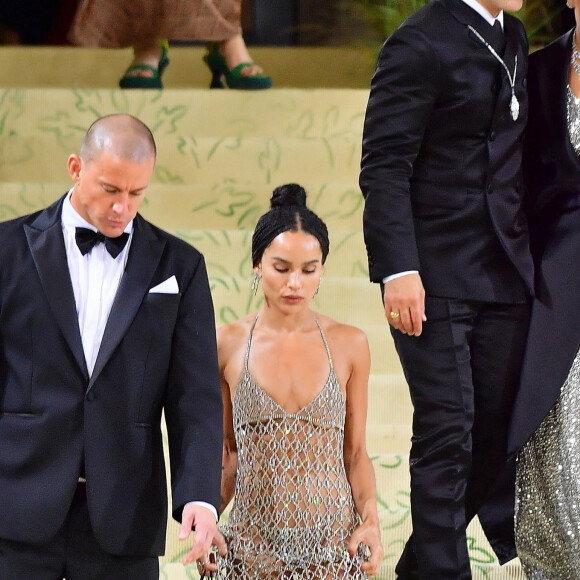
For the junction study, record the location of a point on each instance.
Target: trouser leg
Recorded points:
(462, 374)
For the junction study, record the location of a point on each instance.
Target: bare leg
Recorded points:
(148, 54)
(235, 51)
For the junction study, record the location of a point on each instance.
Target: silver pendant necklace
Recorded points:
(514, 104)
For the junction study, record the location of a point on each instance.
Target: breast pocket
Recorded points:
(161, 312)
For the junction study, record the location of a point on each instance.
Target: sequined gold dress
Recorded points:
(293, 508)
(548, 469)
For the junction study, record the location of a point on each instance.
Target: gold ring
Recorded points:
(394, 315)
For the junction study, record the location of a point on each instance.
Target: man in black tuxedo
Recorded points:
(447, 239)
(105, 322)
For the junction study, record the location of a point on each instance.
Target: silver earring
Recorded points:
(318, 287)
(255, 284)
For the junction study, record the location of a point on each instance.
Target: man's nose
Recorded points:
(121, 205)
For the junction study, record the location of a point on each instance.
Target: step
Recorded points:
(390, 437)
(389, 400)
(304, 113)
(217, 204)
(68, 66)
(186, 158)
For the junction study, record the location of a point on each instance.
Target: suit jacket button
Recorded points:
(489, 188)
(492, 136)
(91, 396)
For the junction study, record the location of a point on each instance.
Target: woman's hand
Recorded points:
(369, 534)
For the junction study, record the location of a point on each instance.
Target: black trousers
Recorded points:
(463, 373)
(73, 554)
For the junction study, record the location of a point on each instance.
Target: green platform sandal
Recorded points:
(136, 81)
(234, 77)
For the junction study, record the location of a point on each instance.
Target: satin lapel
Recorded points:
(46, 244)
(144, 255)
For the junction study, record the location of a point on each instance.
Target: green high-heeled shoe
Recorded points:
(234, 77)
(136, 81)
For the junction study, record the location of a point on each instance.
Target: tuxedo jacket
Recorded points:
(158, 353)
(552, 175)
(441, 159)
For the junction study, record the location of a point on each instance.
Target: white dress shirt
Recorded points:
(491, 19)
(484, 12)
(95, 279)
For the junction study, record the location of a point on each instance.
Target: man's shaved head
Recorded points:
(112, 172)
(120, 135)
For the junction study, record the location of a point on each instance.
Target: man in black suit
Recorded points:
(105, 322)
(448, 241)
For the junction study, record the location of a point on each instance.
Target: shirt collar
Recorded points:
(484, 13)
(71, 219)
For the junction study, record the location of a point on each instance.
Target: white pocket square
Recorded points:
(169, 286)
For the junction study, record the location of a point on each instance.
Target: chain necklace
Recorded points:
(514, 104)
(575, 60)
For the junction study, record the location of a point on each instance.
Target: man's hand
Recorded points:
(405, 304)
(206, 535)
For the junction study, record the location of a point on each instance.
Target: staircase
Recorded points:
(220, 155)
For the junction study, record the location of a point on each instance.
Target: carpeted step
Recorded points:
(389, 401)
(218, 204)
(305, 113)
(187, 158)
(67, 66)
(268, 137)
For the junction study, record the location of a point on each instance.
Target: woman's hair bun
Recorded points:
(290, 194)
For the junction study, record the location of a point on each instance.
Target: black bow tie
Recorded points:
(87, 238)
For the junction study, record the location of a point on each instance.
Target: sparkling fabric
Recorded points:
(574, 120)
(293, 508)
(548, 490)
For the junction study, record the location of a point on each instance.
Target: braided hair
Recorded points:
(288, 212)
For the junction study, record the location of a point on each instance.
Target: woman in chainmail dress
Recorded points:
(546, 421)
(295, 395)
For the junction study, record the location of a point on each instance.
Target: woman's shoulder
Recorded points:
(231, 336)
(351, 337)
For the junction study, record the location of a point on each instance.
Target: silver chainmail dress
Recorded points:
(293, 508)
(548, 471)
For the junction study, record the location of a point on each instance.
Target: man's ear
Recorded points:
(74, 167)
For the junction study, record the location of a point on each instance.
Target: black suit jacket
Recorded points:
(158, 353)
(552, 174)
(440, 169)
